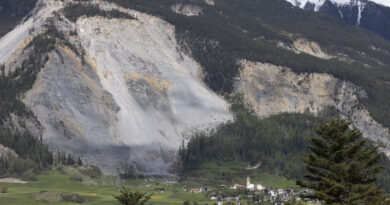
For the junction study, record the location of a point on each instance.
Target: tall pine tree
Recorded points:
(342, 167)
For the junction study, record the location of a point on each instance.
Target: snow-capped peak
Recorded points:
(318, 3)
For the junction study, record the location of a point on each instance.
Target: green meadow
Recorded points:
(100, 191)
(213, 173)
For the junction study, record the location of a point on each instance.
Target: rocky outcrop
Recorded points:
(5, 151)
(308, 47)
(270, 89)
(210, 2)
(187, 9)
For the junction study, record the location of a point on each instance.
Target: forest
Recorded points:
(277, 143)
(74, 11)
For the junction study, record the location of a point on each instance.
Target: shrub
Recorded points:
(4, 189)
(92, 171)
(76, 178)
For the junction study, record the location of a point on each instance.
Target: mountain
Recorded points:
(125, 84)
(12, 12)
(371, 15)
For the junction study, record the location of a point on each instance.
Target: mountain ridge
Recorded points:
(371, 15)
(126, 83)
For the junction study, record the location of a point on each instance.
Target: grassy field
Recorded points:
(234, 172)
(99, 191)
(20, 194)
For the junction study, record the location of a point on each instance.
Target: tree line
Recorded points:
(277, 143)
(73, 11)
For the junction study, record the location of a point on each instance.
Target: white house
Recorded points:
(213, 198)
(272, 193)
(260, 187)
(251, 187)
(233, 186)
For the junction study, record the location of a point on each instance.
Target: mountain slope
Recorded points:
(124, 85)
(12, 12)
(117, 105)
(371, 15)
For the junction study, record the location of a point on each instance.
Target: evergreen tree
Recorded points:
(342, 167)
(127, 197)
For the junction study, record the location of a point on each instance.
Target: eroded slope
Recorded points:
(270, 89)
(133, 101)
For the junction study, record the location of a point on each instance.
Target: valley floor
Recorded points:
(99, 191)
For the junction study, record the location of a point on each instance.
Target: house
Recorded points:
(272, 193)
(251, 187)
(238, 186)
(196, 190)
(259, 187)
(232, 187)
(289, 191)
(280, 192)
(214, 198)
(219, 203)
(205, 189)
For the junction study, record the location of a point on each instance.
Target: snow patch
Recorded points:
(318, 3)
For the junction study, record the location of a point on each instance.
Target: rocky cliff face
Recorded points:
(270, 89)
(133, 99)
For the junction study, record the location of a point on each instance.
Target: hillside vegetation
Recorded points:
(277, 144)
(33, 156)
(232, 30)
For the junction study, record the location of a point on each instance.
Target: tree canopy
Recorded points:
(342, 167)
(128, 197)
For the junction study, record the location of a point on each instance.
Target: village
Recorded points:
(254, 193)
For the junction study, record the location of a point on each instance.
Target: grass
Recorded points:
(59, 181)
(100, 191)
(234, 172)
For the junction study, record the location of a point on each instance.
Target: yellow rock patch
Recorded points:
(163, 85)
